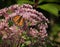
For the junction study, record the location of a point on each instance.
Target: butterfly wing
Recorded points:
(18, 20)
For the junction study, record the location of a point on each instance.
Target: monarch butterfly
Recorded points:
(18, 20)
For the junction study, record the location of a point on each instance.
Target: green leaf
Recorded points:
(52, 0)
(24, 2)
(27, 42)
(49, 0)
(41, 1)
(0, 39)
(51, 8)
(10, 23)
(55, 29)
(22, 45)
(58, 6)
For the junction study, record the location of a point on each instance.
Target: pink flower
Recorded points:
(12, 15)
(13, 7)
(33, 32)
(0, 12)
(26, 6)
(35, 23)
(2, 24)
(13, 28)
(4, 37)
(5, 9)
(43, 33)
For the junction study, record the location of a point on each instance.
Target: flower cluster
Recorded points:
(35, 24)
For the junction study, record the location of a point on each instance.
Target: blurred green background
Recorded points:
(50, 8)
